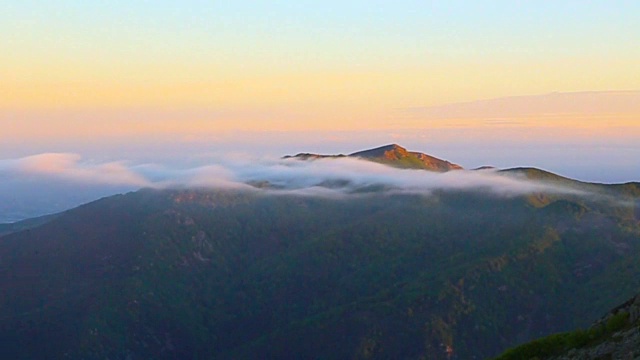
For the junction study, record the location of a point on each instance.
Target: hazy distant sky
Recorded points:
(151, 79)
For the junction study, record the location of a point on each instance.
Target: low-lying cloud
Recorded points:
(51, 182)
(70, 167)
(344, 175)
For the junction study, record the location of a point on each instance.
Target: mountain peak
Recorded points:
(391, 152)
(394, 147)
(397, 156)
(392, 155)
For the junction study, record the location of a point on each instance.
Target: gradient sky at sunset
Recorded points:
(90, 76)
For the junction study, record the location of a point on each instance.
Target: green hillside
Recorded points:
(228, 275)
(615, 336)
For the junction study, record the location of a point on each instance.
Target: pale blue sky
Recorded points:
(322, 34)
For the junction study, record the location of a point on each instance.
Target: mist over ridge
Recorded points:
(50, 182)
(341, 249)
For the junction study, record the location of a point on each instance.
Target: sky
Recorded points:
(551, 84)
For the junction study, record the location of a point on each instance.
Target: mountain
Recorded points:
(272, 274)
(310, 156)
(615, 336)
(393, 155)
(9, 228)
(397, 156)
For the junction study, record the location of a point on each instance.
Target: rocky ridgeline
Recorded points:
(621, 345)
(392, 155)
(615, 336)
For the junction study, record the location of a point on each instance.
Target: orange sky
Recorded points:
(184, 69)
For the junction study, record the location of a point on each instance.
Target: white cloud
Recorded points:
(52, 182)
(69, 167)
(318, 177)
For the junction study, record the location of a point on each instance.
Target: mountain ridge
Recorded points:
(614, 336)
(392, 155)
(234, 274)
(244, 273)
(397, 156)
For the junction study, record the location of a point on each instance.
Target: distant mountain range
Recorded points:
(244, 273)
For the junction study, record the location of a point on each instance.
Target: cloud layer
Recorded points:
(345, 175)
(53, 182)
(70, 167)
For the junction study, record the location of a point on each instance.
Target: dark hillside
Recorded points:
(227, 274)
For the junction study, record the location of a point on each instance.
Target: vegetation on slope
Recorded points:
(558, 344)
(224, 274)
(615, 336)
